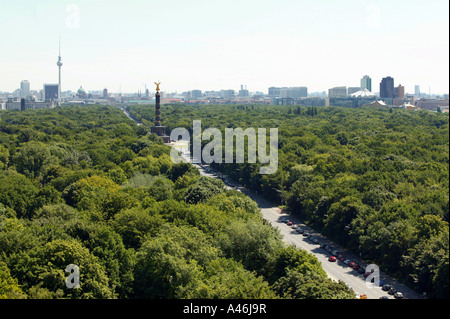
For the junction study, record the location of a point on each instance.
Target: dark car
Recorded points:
(386, 287)
(361, 270)
(392, 291)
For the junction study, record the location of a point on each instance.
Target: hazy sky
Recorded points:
(216, 44)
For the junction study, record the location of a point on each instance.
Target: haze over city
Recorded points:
(213, 45)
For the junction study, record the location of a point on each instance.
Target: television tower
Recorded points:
(59, 64)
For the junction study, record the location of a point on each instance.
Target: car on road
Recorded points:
(294, 226)
(332, 259)
(362, 296)
(341, 257)
(384, 297)
(305, 234)
(392, 291)
(347, 261)
(361, 270)
(386, 287)
(289, 223)
(300, 231)
(398, 295)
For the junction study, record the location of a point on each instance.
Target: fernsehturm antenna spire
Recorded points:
(59, 64)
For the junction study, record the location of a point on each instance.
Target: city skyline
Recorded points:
(216, 46)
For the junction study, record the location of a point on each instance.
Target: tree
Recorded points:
(203, 189)
(31, 157)
(252, 243)
(18, 193)
(296, 285)
(9, 287)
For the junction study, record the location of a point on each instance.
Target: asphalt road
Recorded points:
(335, 270)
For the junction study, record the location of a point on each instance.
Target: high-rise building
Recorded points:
(417, 90)
(387, 88)
(51, 92)
(243, 92)
(400, 91)
(25, 89)
(339, 91)
(366, 83)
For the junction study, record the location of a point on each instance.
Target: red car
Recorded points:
(289, 223)
(332, 259)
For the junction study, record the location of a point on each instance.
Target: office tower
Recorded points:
(339, 91)
(400, 91)
(25, 89)
(243, 92)
(51, 92)
(417, 90)
(387, 88)
(366, 83)
(59, 64)
(105, 93)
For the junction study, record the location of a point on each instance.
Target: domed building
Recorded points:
(81, 93)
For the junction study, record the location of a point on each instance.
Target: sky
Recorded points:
(217, 44)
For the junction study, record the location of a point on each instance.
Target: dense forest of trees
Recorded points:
(373, 180)
(84, 185)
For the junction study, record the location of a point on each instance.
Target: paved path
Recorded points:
(335, 270)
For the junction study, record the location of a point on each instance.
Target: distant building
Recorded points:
(227, 94)
(337, 92)
(417, 90)
(400, 91)
(362, 93)
(409, 106)
(352, 90)
(243, 92)
(378, 104)
(23, 104)
(81, 93)
(288, 92)
(25, 89)
(387, 88)
(432, 104)
(366, 83)
(51, 92)
(196, 94)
